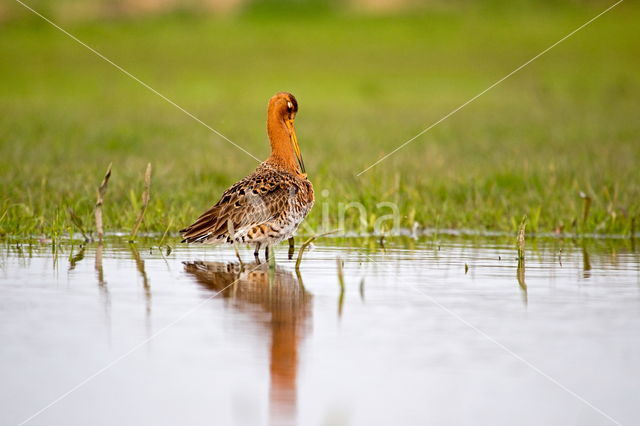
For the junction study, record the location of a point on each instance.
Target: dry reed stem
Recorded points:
(101, 191)
(520, 242)
(520, 271)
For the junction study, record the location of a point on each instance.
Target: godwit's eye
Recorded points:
(289, 105)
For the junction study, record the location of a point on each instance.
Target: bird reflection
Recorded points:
(279, 293)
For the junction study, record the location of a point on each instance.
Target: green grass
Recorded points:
(566, 123)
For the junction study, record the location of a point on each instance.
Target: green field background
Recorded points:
(568, 123)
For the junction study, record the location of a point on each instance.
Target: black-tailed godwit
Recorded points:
(267, 206)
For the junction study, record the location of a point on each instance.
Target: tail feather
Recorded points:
(209, 227)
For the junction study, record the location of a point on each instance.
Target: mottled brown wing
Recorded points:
(253, 201)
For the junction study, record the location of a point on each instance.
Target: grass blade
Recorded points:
(78, 223)
(146, 196)
(306, 244)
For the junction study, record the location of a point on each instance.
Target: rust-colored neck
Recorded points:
(282, 153)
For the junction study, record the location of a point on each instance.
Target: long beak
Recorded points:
(296, 147)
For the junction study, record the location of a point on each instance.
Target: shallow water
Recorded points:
(117, 335)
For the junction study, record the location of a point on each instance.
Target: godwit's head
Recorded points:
(285, 150)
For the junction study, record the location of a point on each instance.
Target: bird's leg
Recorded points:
(292, 247)
(266, 253)
(256, 253)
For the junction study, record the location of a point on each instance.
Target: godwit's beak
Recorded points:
(296, 147)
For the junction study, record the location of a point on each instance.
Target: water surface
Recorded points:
(447, 332)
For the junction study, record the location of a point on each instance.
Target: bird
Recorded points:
(269, 205)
